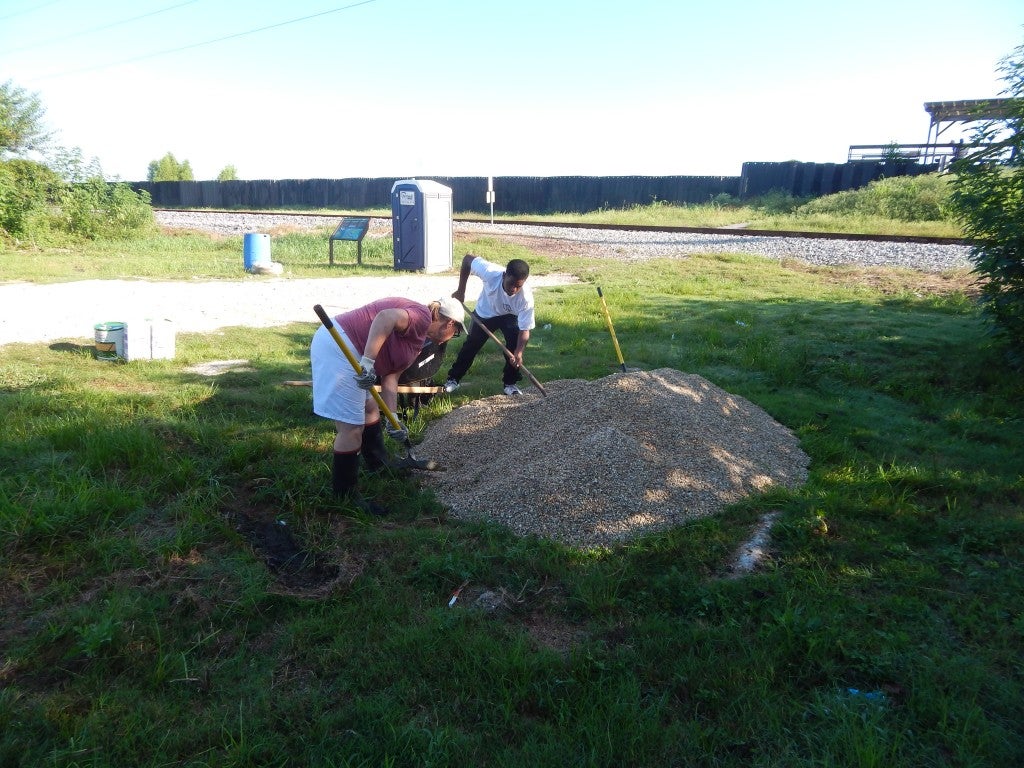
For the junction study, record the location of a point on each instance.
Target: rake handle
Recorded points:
(508, 354)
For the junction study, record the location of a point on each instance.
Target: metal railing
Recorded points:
(926, 154)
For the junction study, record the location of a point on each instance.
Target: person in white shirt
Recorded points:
(505, 304)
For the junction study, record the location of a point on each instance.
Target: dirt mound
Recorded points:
(600, 462)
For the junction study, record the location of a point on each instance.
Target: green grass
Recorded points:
(142, 627)
(745, 216)
(187, 256)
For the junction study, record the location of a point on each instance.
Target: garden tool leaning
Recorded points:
(409, 461)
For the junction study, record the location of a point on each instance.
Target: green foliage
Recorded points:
(95, 209)
(72, 166)
(27, 190)
(900, 206)
(774, 201)
(65, 199)
(37, 206)
(21, 121)
(902, 198)
(228, 173)
(989, 199)
(167, 168)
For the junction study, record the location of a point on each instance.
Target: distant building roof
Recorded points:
(968, 110)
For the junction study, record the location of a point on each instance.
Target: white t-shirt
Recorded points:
(493, 300)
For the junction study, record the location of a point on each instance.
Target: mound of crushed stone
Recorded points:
(597, 463)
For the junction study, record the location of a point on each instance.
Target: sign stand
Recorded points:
(352, 228)
(490, 195)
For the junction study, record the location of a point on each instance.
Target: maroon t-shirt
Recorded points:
(400, 348)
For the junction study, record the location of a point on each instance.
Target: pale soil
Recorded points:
(69, 311)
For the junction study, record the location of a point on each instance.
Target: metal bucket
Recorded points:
(109, 341)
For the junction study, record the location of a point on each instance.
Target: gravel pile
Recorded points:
(601, 462)
(626, 245)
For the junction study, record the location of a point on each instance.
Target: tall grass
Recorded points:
(904, 205)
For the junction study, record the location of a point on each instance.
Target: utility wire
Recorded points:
(52, 40)
(204, 42)
(30, 10)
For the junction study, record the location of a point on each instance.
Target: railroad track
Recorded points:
(379, 221)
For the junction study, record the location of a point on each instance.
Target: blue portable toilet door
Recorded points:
(407, 224)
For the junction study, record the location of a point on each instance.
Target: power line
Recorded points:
(30, 10)
(204, 42)
(52, 40)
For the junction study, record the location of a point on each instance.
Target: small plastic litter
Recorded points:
(456, 593)
(868, 695)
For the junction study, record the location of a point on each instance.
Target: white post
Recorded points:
(490, 196)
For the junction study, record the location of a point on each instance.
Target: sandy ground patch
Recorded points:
(36, 313)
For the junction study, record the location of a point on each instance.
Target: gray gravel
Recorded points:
(625, 245)
(602, 462)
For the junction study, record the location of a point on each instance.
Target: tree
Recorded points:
(228, 174)
(167, 168)
(988, 198)
(21, 121)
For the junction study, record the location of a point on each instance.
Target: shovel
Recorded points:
(509, 355)
(409, 461)
(611, 329)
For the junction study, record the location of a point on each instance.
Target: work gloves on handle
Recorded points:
(367, 377)
(399, 434)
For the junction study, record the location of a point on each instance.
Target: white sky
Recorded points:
(412, 88)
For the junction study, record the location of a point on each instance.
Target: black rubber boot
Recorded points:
(345, 482)
(375, 455)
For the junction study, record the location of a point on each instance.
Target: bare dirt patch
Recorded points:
(297, 571)
(891, 281)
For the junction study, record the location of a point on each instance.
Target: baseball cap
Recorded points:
(452, 308)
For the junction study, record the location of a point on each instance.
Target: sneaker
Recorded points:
(512, 390)
(451, 385)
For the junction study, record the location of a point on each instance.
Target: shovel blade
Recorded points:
(411, 462)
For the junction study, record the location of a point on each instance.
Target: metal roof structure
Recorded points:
(964, 111)
(947, 113)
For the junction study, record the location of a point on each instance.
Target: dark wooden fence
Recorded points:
(816, 179)
(531, 194)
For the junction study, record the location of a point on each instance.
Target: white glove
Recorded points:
(368, 377)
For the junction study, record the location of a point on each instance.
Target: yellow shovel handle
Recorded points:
(611, 330)
(329, 325)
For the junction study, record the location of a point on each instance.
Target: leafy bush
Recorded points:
(775, 201)
(37, 205)
(902, 198)
(95, 209)
(989, 199)
(27, 190)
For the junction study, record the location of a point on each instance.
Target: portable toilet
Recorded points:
(421, 225)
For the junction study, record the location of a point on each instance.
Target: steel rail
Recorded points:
(731, 231)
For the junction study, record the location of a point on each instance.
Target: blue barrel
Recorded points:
(255, 250)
